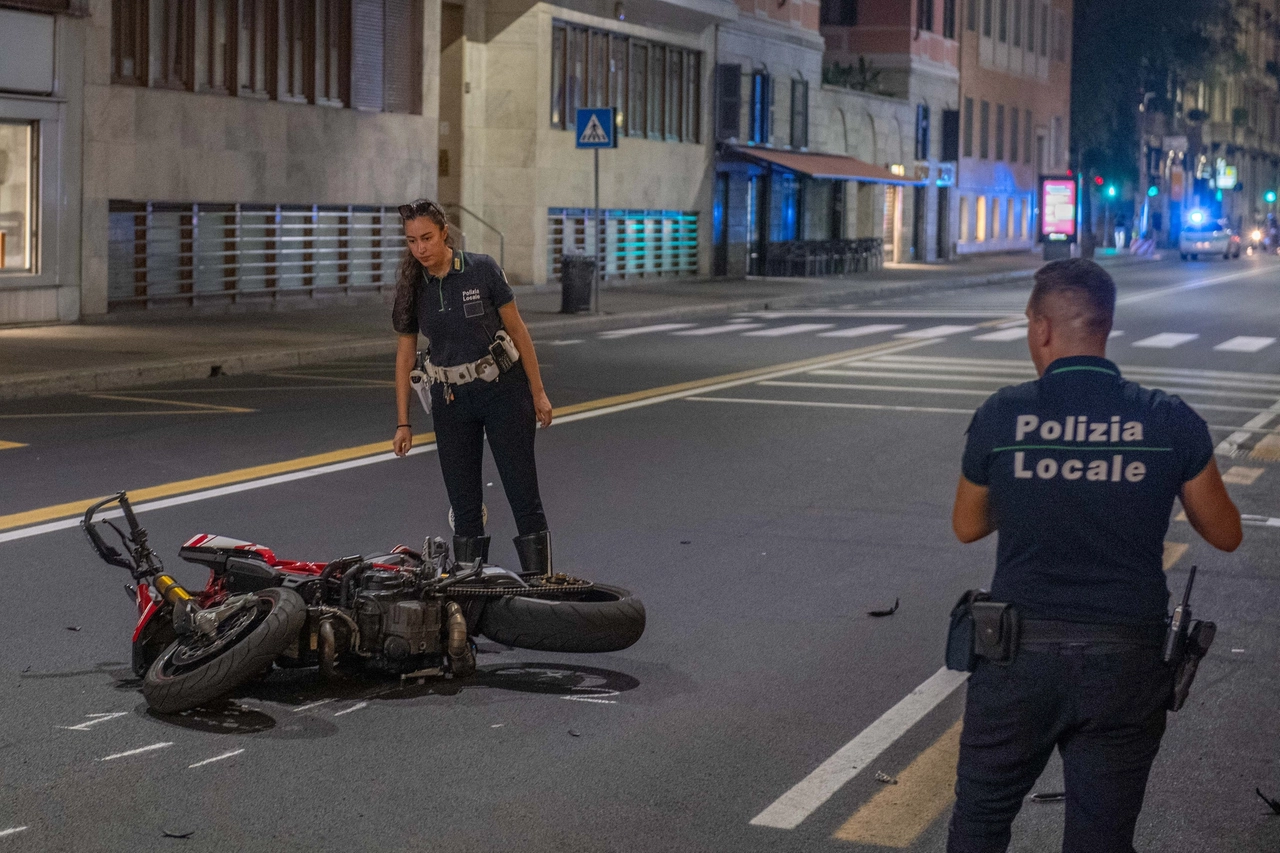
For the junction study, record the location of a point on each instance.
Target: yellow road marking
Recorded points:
(372, 383)
(10, 445)
(73, 508)
(1267, 449)
(1241, 476)
(206, 406)
(1182, 516)
(898, 814)
(1173, 552)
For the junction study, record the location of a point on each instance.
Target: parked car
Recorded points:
(1203, 235)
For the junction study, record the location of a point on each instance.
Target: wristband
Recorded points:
(404, 426)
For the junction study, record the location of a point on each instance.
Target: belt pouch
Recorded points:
(960, 634)
(1199, 639)
(995, 631)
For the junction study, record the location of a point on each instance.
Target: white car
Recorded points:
(1205, 236)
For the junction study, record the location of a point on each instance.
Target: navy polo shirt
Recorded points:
(458, 313)
(1083, 467)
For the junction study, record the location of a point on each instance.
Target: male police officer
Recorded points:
(1078, 471)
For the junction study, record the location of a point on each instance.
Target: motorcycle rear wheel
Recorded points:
(601, 619)
(192, 672)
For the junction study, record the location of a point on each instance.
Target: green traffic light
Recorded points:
(1269, 196)
(1111, 191)
(1153, 191)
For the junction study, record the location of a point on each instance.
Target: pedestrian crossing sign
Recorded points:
(595, 128)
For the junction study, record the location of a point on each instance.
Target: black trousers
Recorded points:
(1101, 706)
(502, 410)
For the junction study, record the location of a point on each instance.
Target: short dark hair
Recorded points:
(1082, 282)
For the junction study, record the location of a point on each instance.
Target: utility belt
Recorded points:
(502, 356)
(995, 631)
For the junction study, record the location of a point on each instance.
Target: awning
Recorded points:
(835, 167)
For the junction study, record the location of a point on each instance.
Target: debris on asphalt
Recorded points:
(686, 541)
(1274, 804)
(885, 778)
(1237, 651)
(574, 733)
(892, 610)
(215, 371)
(497, 725)
(1049, 797)
(73, 627)
(170, 834)
(26, 669)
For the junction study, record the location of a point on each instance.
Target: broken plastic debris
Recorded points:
(885, 778)
(170, 834)
(574, 733)
(1274, 804)
(1049, 797)
(497, 725)
(686, 541)
(892, 610)
(73, 627)
(1237, 651)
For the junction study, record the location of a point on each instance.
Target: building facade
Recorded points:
(1015, 102)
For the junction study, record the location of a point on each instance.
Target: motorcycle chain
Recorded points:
(545, 586)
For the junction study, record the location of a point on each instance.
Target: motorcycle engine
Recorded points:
(397, 628)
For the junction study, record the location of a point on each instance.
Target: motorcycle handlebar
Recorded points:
(107, 552)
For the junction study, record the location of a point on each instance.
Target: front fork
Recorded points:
(184, 606)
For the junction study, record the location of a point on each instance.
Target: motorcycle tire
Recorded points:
(602, 619)
(248, 647)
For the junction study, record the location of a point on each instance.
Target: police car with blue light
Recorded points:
(1204, 235)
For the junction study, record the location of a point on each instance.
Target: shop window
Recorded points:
(999, 131)
(17, 194)
(838, 13)
(784, 207)
(129, 43)
(799, 114)
(968, 127)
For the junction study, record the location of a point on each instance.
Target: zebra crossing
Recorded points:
(996, 329)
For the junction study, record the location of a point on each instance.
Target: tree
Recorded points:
(1123, 50)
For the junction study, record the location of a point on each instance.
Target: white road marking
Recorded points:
(100, 718)
(1115, 334)
(644, 330)
(889, 374)
(821, 405)
(1014, 333)
(598, 694)
(939, 313)
(859, 331)
(562, 343)
(215, 758)
(719, 330)
(789, 810)
(250, 485)
(1260, 520)
(138, 751)
(311, 705)
(13, 830)
(355, 707)
(843, 386)
(1166, 340)
(1230, 445)
(1244, 343)
(1189, 285)
(935, 332)
(779, 331)
(590, 699)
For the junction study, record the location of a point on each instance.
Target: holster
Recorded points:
(981, 628)
(1187, 661)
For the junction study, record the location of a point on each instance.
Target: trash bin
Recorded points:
(575, 283)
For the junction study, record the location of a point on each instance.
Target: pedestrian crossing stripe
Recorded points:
(593, 133)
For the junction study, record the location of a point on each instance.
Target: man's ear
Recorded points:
(1039, 331)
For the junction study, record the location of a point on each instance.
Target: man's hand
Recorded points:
(403, 441)
(542, 408)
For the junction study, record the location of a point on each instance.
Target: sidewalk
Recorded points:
(133, 349)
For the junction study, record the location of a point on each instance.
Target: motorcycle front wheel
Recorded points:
(198, 668)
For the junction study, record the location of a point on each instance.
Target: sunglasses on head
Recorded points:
(421, 207)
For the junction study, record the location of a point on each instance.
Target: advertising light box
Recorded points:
(1058, 209)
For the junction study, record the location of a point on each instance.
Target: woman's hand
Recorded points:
(542, 408)
(403, 441)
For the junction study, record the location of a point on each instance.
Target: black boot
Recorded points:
(534, 551)
(467, 549)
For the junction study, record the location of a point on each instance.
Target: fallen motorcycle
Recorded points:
(407, 613)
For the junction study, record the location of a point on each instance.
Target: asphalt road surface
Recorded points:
(760, 480)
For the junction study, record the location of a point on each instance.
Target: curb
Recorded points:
(202, 367)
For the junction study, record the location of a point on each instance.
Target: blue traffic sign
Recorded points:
(595, 128)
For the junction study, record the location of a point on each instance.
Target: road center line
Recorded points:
(152, 748)
(26, 524)
(789, 810)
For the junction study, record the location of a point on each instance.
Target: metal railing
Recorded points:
(633, 243)
(207, 253)
(502, 248)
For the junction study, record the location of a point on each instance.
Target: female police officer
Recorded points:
(484, 381)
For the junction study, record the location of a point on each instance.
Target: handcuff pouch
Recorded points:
(981, 628)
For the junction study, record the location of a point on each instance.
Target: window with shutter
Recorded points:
(728, 101)
(922, 131)
(366, 54)
(638, 93)
(799, 114)
(129, 36)
(174, 29)
(951, 135)
(255, 49)
(968, 127)
(402, 57)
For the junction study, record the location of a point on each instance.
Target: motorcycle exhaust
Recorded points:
(462, 660)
